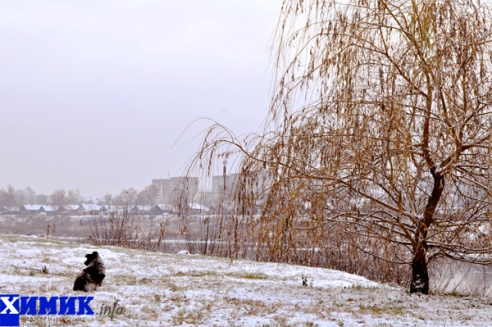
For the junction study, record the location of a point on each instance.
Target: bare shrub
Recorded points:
(202, 233)
(125, 230)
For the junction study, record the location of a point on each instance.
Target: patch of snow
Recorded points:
(156, 289)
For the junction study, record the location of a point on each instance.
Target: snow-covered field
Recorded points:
(155, 289)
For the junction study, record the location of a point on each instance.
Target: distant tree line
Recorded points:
(130, 196)
(12, 197)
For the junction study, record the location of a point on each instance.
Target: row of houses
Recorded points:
(95, 209)
(76, 209)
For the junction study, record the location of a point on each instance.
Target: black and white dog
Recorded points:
(92, 276)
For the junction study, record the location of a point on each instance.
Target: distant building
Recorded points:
(197, 208)
(37, 208)
(69, 208)
(116, 209)
(169, 190)
(159, 209)
(89, 209)
(223, 186)
(141, 209)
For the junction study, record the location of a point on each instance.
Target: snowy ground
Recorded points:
(155, 289)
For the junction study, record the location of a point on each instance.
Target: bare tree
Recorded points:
(58, 197)
(74, 196)
(9, 197)
(42, 199)
(29, 195)
(148, 196)
(378, 134)
(126, 197)
(108, 199)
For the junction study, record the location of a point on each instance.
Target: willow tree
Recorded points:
(379, 126)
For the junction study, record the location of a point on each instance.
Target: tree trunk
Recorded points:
(420, 275)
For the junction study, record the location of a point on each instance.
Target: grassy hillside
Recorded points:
(155, 289)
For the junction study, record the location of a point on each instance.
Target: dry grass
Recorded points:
(198, 290)
(123, 230)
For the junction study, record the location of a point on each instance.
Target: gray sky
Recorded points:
(94, 94)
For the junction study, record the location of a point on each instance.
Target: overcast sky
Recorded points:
(95, 94)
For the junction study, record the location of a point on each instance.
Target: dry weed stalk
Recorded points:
(126, 231)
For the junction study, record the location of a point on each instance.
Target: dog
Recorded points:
(92, 276)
